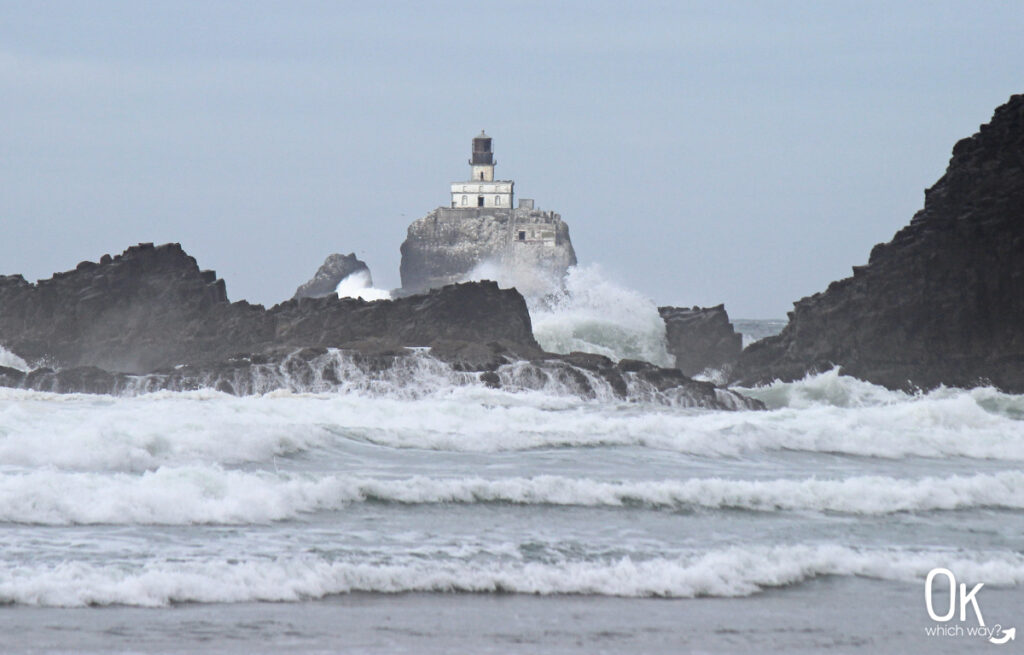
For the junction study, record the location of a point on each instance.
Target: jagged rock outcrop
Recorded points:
(530, 248)
(374, 369)
(943, 302)
(149, 319)
(151, 307)
(701, 338)
(334, 269)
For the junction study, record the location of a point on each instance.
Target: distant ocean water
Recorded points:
(475, 503)
(757, 329)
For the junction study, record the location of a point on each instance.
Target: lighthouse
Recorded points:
(482, 190)
(529, 246)
(482, 159)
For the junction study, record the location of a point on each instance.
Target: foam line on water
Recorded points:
(737, 571)
(826, 413)
(211, 495)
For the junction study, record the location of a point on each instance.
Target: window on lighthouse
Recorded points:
(465, 201)
(497, 200)
(481, 175)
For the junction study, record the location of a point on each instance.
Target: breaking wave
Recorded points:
(730, 572)
(212, 495)
(10, 360)
(586, 312)
(412, 375)
(593, 314)
(822, 414)
(359, 284)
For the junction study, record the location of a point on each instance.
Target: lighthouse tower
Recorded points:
(482, 160)
(482, 190)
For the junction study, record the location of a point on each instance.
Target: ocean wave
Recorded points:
(140, 433)
(826, 389)
(731, 572)
(137, 434)
(359, 284)
(211, 495)
(592, 314)
(831, 389)
(939, 428)
(10, 360)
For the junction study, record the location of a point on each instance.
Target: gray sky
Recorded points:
(745, 153)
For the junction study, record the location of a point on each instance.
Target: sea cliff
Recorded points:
(942, 303)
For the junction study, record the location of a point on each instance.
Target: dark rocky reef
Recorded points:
(150, 320)
(701, 338)
(943, 302)
(373, 368)
(151, 308)
(334, 269)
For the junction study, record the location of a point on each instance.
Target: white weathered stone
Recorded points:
(449, 245)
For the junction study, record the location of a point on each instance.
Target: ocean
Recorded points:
(416, 510)
(465, 519)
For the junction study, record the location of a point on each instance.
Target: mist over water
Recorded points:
(360, 285)
(10, 360)
(587, 312)
(594, 314)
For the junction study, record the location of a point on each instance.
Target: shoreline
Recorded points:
(835, 614)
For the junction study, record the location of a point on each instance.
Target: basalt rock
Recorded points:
(402, 372)
(334, 269)
(150, 320)
(943, 302)
(152, 308)
(701, 338)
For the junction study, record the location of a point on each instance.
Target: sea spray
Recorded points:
(156, 429)
(585, 312)
(594, 314)
(359, 284)
(535, 283)
(10, 360)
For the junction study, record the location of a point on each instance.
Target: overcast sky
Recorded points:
(745, 153)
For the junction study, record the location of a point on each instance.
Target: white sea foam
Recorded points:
(88, 432)
(532, 281)
(586, 312)
(360, 285)
(10, 360)
(594, 314)
(202, 494)
(941, 426)
(102, 432)
(738, 571)
(828, 389)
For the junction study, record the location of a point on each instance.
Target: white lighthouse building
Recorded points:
(482, 190)
(528, 247)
